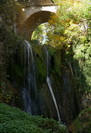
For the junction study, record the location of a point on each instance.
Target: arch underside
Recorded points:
(34, 21)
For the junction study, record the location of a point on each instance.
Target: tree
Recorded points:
(11, 13)
(70, 29)
(11, 16)
(69, 21)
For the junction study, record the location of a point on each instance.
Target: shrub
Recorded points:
(12, 120)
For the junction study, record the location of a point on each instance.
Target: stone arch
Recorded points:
(34, 21)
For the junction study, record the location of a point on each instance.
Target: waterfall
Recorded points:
(29, 79)
(27, 100)
(48, 80)
(29, 91)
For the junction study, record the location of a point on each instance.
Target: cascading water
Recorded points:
(29, 79)
(29, 90)
(48, 80)
(27, 100)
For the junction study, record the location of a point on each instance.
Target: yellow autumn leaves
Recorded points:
(66, 24)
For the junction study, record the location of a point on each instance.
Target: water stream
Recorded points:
(29, 78)
(29, 90)
(48, 80)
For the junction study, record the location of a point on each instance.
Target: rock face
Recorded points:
(82, 124)
(62, 83)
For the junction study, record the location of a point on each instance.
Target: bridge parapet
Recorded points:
(28, 3)
(33, 9)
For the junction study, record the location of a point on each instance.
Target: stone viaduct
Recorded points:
(36, 13)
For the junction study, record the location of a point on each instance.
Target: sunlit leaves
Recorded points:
(40, 33)
(70, 29)
(70, 21)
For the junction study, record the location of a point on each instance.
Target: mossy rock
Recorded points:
(13, 120)
(82, 124)
(37, 50)
(6, 92)
(40, 61)
(57, 60)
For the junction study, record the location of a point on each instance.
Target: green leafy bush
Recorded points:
(12, 120)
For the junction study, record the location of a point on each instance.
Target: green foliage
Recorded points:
(83, 56)
(51, 50)
(65, 27)
(41, 67)
(10, 12)
(57, 59)
(55, 55)
(40, 33)
(12, 120)
(6, 92)
(40, 62)
(17, 71)
(10, 44)
(11, 41)
(70, 29)
(82, 122)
